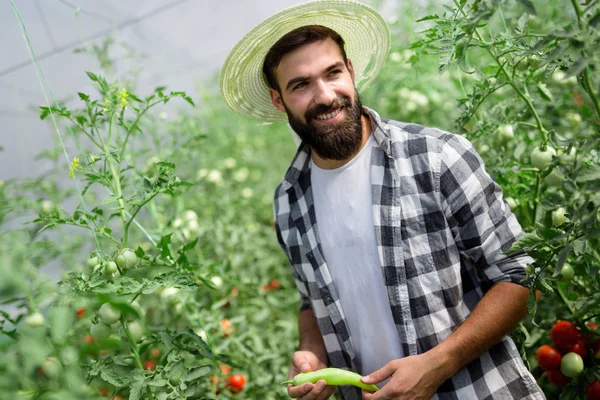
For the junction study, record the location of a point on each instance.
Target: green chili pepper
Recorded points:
(332, 376)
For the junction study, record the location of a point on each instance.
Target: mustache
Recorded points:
(337, 103)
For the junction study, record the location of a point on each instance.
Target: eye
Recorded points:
(335, 73)
(301, 85)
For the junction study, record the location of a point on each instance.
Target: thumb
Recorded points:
(380, 375)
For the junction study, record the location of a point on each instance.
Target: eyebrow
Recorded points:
(298, 79)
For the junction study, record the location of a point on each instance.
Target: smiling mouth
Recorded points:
(330, 115)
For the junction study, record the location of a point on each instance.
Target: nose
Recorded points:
(324, 94)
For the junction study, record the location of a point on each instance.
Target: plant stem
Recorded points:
(565, 300)
(510, 81)
(130, 130)
(135, 213)
(116, 177)
(536, 200)
(134, 351)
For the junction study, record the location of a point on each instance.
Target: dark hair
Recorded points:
(298, 37)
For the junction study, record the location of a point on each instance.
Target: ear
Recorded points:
(351, 69)
(276, 99)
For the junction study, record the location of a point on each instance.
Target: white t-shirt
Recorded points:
(344, 212)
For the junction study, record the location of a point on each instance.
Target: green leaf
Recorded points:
(544, 92)
(83, 96)
(189, 245)
(591, 173)
(92, 76)
(194, 373)
(136, 390)
(577, 67)
(112, 377)
(528, 5)
(45, 112)
(428, 18)
(532, 306)
(529, 239)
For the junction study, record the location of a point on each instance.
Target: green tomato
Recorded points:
(555, 178)
(567, 273)
(137, 330)
(35, 319)
(559, 216)
(138, 308)
(505, 133)
(108, 314)
(568, 157)
(111, 267)
(126, 259)
(571, 365)
(92, 261)
(542, 158)
(100, 331)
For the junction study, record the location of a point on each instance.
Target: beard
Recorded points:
(335, 141)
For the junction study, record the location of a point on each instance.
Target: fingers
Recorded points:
(308, 391)
(381, 374)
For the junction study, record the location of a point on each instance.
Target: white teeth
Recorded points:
(330, 115)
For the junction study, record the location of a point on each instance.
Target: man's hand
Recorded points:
(307, 361)
(414, 377)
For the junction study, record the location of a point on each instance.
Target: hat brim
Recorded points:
(365, 33)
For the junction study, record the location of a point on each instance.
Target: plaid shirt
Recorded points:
(441, 228)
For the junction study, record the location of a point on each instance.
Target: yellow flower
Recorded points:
(123, 95)
(74, 166)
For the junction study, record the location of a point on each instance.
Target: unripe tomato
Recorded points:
(559, 216)
(542, 158)
(137, 330)
(593, 390)
(564, 334)
(108, 314)
(571, 365)
(92, 261)
(505, 133)
(548, 357)
(126, 259)
(557, 378)
(100, 331)
(35, 320)
(138, 308)
(555, 178)
(236, 382)
(567, 272)
(110, 267)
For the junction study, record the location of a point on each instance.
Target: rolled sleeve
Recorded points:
(483, 225)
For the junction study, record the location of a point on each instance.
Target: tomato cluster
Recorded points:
(235, 383)
(565, 360)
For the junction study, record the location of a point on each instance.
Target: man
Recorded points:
(395, 232)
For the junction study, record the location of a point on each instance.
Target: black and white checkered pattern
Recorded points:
(442, 228)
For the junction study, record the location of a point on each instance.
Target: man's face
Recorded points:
(317, 92)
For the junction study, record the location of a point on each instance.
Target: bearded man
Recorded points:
(395, 233)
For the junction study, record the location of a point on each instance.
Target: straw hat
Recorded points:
(366, 35)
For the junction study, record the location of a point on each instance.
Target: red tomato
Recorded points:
(274, 284)
(557, 378)
(593, 390)
(579, 348)
(236, 382)
(149, 365)
(88, 339)
(564, 334)
(227, 327)
(80, 312)
(548, 357)
(225, 369)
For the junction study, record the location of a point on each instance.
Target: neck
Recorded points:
(325, 163)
